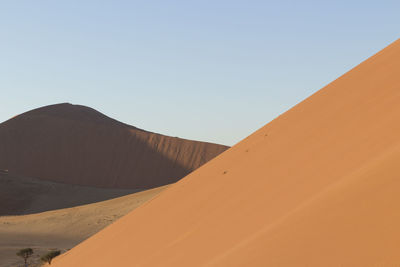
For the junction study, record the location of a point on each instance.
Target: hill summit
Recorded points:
(75, 144)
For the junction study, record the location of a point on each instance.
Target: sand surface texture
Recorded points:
(318, 186)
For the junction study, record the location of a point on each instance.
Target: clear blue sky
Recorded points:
(205, 70)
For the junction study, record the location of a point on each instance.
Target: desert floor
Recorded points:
(63, 228)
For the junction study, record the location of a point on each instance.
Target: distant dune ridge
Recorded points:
(318, 186)
(78, 145)
(24, 195)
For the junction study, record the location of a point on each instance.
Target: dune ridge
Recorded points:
(318, 186)
(25, 195)
(78, 145)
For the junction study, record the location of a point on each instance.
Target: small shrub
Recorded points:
(50, 256)
(25, 253)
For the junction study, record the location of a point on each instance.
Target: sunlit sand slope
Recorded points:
(318, 186)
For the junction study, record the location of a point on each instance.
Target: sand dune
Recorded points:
(318, 186)
(78, 145)
(79, 156)
(63, 228)
(24, 195)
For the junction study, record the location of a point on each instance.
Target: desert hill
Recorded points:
(318, 186)
(78, 145)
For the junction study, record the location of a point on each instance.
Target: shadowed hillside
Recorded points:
(77, 145)
(24, 195)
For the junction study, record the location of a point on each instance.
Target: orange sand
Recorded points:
(318, 186)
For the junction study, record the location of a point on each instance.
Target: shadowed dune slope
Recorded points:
(318, 186)
(24, 195)
(77, 145)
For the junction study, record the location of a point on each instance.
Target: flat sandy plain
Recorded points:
(66, 227)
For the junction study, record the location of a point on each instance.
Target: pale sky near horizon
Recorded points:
(205, 70)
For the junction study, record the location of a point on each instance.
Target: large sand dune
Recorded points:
(318, 186)
(64, 228)
(77, 145)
